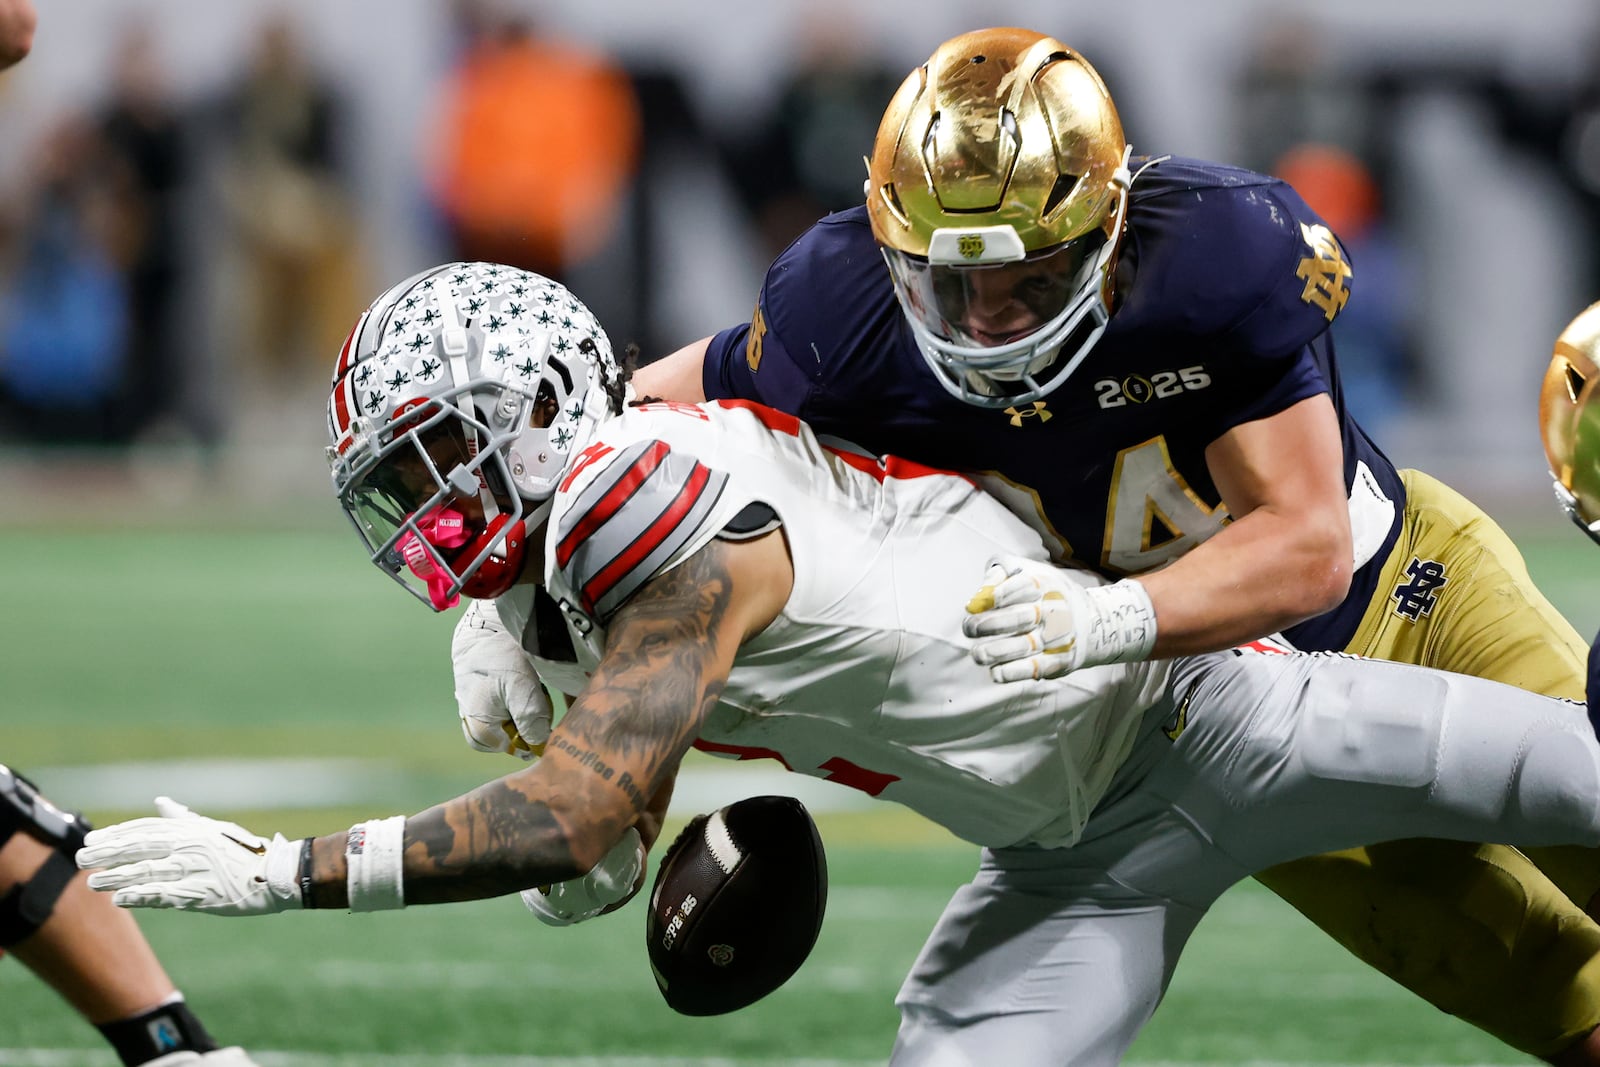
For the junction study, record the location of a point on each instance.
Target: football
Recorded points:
(737, 905)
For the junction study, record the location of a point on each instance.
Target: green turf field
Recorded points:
(153, 649)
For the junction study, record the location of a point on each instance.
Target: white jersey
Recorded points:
(865, 678)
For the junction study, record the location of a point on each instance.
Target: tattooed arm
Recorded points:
(612, 759)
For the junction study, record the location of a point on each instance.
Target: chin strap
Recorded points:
(441, 528)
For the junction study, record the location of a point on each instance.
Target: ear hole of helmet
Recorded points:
(545, 407)
(1575, 382)
(1059, 192)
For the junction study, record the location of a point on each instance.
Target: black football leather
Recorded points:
(749, 929)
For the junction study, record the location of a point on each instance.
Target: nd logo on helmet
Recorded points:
(970, 245)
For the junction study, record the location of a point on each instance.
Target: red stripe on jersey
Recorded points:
(900, 467)
(891, 467)
(744, 752)
(771, 418)
(597, 587)
(1261, 645)
(609, 504)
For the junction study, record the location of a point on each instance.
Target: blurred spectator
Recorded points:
(145, 156)
(806, 158)
(536, 149)
(1293, 90)
(17, 24)
(284, 188)
(63, 302)
(1371, 335)
(1556, 121)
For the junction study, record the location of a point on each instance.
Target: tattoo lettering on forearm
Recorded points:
(492, 841)
(587, 758)
(659, 677)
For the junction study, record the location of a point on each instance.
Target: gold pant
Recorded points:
(1488, 933)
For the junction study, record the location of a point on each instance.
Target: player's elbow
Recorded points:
(1324, 575)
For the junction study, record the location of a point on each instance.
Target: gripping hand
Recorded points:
(1034, 621)
(612, 881)
(499, 696)
(186, 861)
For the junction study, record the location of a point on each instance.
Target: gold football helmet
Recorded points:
(998, 187)
(1569, 417)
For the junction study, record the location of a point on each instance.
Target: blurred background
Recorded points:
(197, 199)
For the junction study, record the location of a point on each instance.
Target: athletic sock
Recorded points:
(168, 1027)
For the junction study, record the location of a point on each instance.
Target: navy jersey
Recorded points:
(1234, 282)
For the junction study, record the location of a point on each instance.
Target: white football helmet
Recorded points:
(457, 401)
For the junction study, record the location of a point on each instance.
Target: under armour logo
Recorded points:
(1416, 598)
(1018, 415)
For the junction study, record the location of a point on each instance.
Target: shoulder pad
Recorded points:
(642, 504)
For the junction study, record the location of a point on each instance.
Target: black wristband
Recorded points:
(305, 874)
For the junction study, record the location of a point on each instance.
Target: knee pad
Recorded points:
(28, 904)
(1558, 782)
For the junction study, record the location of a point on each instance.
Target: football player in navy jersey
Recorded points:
(723, 578)
(1133, 352)
(1569, 418)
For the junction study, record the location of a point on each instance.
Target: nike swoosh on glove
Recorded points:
(186, 861)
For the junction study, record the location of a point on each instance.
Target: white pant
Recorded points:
(1059, 956)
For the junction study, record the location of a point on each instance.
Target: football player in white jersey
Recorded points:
(723, 577)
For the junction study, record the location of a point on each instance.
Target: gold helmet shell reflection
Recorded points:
(1569, 419)
(1000, 127)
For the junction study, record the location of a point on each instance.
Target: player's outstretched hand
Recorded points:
(612, 881)
(501, 700)
(186, 861)
(1033, 620)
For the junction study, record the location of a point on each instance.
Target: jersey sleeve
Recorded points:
(1249, 276)
(736, 354)
(635, 510)
(824, 303)
(1290, 275)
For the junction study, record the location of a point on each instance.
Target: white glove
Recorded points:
(1039, 623)
(186, 861)
(502, 703)
(611, 880)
